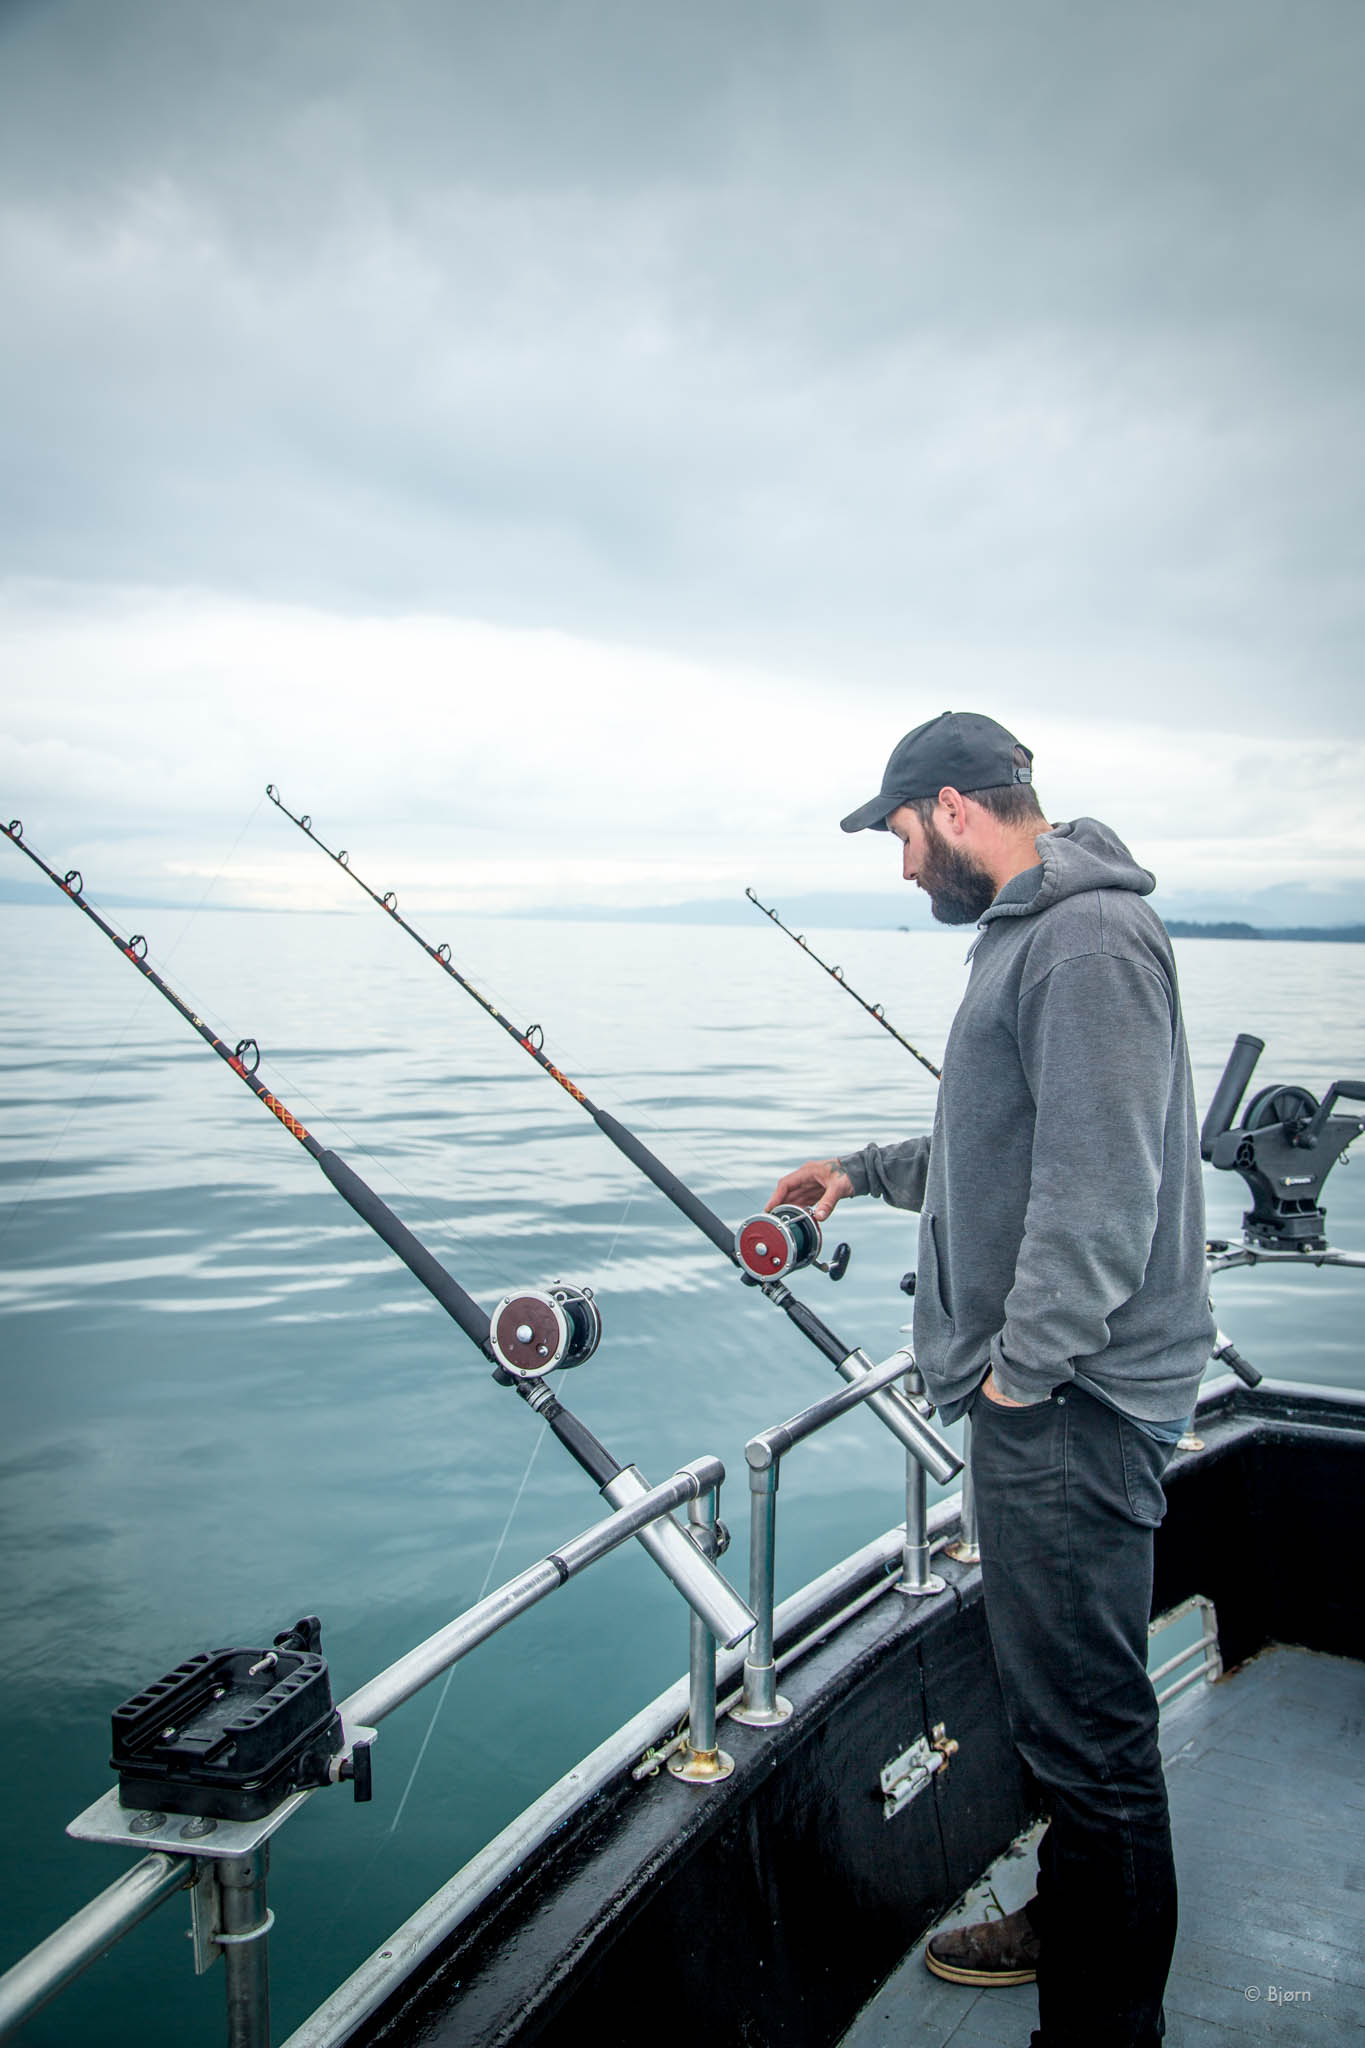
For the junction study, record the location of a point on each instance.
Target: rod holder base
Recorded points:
(933, 1584)
(700, 1766)
(764, 1717)
(963, 1552)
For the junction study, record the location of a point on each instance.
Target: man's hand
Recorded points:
(993, 1393)
(816, 1186)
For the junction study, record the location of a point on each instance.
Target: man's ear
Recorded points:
(954, 807)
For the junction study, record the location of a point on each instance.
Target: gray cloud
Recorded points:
(832, 336)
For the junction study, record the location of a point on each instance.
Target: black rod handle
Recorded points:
(1227, 1096)
(578, 1440)
(442, 1286)
(811, 1326)
(667, 1182)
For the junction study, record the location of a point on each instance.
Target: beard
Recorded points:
(959, 890)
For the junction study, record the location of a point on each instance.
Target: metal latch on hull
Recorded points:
(907, 1774)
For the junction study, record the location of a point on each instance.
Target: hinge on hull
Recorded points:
(907, 1774)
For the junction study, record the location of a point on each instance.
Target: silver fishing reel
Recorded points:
(770, 1246)
(530, 1334)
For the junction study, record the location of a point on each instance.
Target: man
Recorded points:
(1062, 1299)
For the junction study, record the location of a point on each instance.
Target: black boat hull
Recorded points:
(766, 1909)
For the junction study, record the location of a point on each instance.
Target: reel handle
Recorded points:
(838, 1264)
(1351, 1091)
(1226, 1352)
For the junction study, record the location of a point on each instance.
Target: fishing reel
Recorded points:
(770, 1246)
(530, 1334)
(1284, 1148)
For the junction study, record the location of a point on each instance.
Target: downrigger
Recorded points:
(1284, 1148)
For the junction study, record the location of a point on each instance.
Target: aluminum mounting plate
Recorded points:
(190, 1834)
(178, 1834)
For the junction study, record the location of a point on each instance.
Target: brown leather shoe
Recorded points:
(990, 1952)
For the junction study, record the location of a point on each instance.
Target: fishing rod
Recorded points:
(765, 1248)
(527, 1336)
(837, 974)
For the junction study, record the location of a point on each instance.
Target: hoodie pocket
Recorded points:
(935, 1281)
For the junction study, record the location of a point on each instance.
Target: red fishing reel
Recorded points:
(531, 1334)
(770, 1246)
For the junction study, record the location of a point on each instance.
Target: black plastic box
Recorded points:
(212, 1738)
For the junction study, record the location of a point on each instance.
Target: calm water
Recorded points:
(226, 1405)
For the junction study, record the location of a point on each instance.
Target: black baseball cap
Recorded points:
(958, 750)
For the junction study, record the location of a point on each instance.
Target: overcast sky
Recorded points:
(564, 446)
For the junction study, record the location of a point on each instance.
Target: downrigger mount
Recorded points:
(229, 1734)
(1284, 1148)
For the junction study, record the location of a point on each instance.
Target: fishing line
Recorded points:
(223, 866)
(441, 1697)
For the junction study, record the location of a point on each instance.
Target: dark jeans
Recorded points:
(1067, 1496)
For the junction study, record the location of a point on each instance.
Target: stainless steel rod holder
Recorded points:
(916, 1579)
(700, 1761)
(637, 1505)
(966, 1549)
(939, 1458)
(761, 1705)
(677, 1556)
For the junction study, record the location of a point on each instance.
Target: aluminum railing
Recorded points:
(964, 1546)
(224, 1864)
(226, 1867)
(761, 1705)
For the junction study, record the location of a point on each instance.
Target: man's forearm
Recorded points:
(897, 1173)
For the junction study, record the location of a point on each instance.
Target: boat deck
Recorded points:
(1266, 1771)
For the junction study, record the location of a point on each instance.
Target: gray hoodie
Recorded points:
(1062, 1225)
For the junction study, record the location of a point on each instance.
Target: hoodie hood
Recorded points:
(1076, 858)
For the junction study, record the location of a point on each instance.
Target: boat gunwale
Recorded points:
(808, 1613)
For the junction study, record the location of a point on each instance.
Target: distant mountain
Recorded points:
(1341, 934)
(44, 893)
(1283, 907)
(829, 911)
(1284, 911)
(1279, 913)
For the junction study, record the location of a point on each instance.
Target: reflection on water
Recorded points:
(226, 1405)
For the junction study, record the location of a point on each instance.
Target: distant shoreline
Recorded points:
(831, 913)
(1339, 934)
